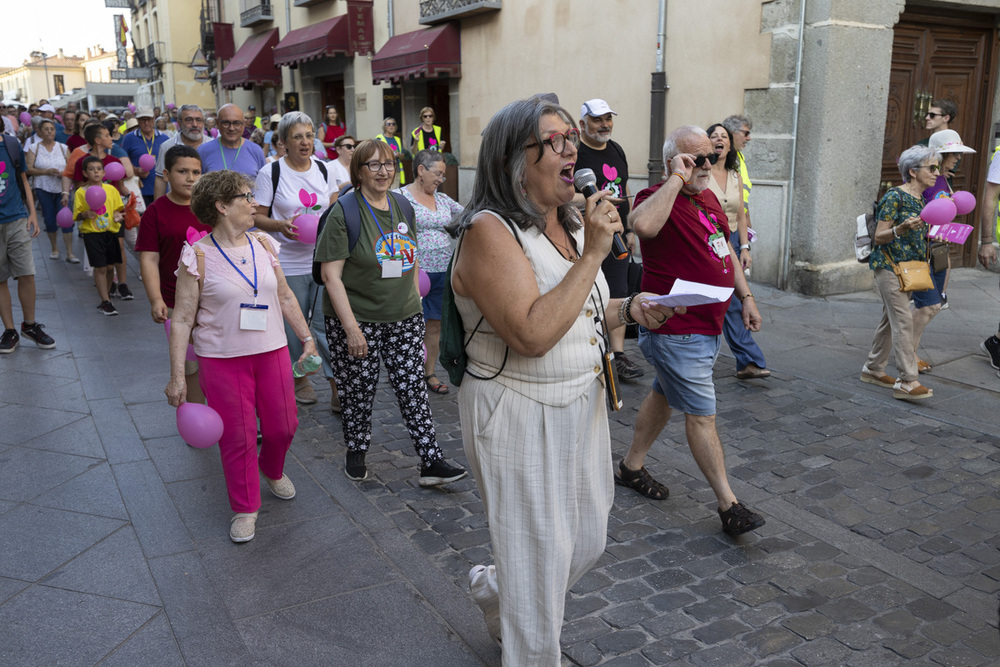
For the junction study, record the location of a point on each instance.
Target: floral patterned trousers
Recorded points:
(400, 345)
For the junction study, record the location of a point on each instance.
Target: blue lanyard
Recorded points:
(242, 275)
(381, 234)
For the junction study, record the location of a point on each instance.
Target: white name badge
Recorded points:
(253, 317)
(392, 268)
(719, 245)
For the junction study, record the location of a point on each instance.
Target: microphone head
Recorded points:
(584, 177)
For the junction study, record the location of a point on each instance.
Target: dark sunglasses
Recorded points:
(347, 147)
(700, 160)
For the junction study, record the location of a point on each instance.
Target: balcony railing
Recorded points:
(439, 11)
(151, 55)
(255, 11)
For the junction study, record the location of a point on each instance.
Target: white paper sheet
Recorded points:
(687, 293)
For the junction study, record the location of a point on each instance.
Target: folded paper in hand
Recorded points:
(952, 232)
(687, 293)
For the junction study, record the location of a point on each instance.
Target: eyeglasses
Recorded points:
(345, 147)
(931, 114)
(932, 167)
(700, 160)
(390, 124)
(231, 123)
(246, 195)
(427, 115)
(438, 175)
(745, 133)
(377, 166)
(558, 140)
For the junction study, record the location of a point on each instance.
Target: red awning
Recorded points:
(253, 63)
(427, 53)
(326, 38)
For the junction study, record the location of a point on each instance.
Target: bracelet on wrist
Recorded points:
(678, 175)
(748, 295)
(307, 340)
(745, 246)
(624, 313)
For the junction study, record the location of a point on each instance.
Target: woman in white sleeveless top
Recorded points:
(527, 282)
(727, 186)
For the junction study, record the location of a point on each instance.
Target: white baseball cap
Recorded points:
(47, 107)
(596, 108)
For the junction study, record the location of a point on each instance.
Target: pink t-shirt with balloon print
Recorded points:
(298, 192)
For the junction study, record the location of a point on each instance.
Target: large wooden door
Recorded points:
(942, 55)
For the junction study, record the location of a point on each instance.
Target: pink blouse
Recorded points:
(217, 330)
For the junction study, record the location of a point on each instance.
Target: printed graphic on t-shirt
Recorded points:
(613, 181)
(310, 201)
(4, 177)
(396, 246)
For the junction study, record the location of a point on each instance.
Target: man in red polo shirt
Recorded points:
(685, 235)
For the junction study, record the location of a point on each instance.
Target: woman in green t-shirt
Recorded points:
(372, 308)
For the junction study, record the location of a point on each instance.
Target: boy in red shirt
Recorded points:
(162, 235)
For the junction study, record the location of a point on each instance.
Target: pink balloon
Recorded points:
(147, 162)
(171, 106)
(939, 211)
(114, 172)
(424, 281)
(131, 107)
(64, 218)
(199, 425)
(307, 224)
(965, 202)
(96, 197)
(215, 131)
(25, 118)
(166, 326)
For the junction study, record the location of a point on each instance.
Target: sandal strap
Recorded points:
(640, 480)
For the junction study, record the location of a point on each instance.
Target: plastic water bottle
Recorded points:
(307, 365)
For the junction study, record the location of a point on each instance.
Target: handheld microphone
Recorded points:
(586, 182)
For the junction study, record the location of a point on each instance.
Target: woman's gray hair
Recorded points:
(503, 158)
(425, 159)
(290, 120)
(670, 149)
(912, 158)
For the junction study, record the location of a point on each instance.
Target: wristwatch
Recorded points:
(745, 246)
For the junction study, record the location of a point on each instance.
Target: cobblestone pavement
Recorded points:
(881, 545)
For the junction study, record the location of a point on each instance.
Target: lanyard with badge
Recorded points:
(716, 237)
(253, 316)
(391, 267)
(236, 159)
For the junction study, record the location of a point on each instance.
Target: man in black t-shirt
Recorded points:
(607, 159)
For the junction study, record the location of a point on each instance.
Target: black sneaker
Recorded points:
(8, 342)
(739, 519)
(356, 468)
(626, 369)
(35, 333)
(991, 346)
(944, 300)
(124, 293)
(107, 308)
(113, 290)
(439, 473)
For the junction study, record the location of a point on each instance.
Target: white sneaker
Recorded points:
(483, 586)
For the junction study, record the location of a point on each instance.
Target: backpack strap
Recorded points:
(16, 154)
(275, 177)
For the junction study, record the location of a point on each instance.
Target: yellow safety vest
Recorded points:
(418, 136)
(397, 147)
(746, 181)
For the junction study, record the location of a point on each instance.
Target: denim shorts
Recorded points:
(432, 302)
(683, 365)
(931, 297)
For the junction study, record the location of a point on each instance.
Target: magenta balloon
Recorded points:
(965, 202)
(64, 218)
(95, 196)
(114, 172)
(147, 162)
(307, 225)
(199, 425)
(215, 132)
(25, 117)
(424, 281)
(131, 107)
(170, 106)
(939, 211)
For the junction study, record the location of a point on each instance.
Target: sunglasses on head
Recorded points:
(700, 160)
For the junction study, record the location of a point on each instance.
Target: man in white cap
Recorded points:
(606, 158)
(192, 133)
(144, 141)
